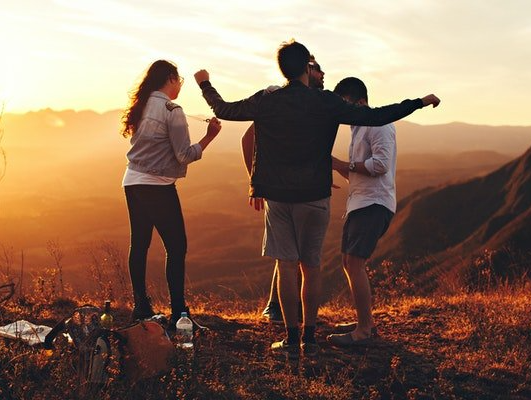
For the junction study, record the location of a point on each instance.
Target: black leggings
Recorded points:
(156, 206)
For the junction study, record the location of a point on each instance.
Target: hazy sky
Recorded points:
(71, 54)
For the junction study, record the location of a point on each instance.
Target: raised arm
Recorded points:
(243, 110)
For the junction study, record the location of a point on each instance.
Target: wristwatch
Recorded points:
(352, 167)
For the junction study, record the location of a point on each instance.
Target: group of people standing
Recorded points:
(287, 152)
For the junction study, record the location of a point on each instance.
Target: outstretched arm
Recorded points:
(346, 113)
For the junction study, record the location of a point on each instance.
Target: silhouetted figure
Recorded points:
(272, 311)
(371, 205)
(295, 131)
(159, 155)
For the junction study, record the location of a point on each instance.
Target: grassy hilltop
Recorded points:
(458, 346)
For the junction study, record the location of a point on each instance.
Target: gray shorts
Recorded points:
(363, 228)
(296, 231)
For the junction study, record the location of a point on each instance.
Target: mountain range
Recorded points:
(483, 223)
(64, 170)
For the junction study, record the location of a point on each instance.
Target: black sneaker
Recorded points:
(142, 309)
(273, 313)
(310, 349)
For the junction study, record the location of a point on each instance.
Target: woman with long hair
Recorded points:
(159, 155)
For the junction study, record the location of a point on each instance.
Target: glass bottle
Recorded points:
(106, 318)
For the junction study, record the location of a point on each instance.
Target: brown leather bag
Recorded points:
(146, 350)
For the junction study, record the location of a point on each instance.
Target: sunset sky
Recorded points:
(71, 54)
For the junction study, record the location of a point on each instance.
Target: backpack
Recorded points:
(143, 348)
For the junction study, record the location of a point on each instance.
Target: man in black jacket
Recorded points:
(295, 131)
(272, 312)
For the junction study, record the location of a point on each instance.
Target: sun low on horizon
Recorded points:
(89, 55)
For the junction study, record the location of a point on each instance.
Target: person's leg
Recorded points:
(311, 222)
(141, 232)
(343, 327)
(361, 232)
(289, 297)
(310, 292)
(279, 243)
(272, 310)
(273, 293)
(360, 289)
(169, 223)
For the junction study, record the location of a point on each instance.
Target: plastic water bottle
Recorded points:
(184, 332)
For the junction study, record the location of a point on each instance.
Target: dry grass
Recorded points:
(461, 346)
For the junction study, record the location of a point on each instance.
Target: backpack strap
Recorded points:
(50, 337)
(61, 326)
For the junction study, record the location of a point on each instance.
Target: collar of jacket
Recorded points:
(160, 95)
(295, 83)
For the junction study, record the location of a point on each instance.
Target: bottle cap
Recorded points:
(184, 314)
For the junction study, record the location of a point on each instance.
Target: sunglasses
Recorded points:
(316, 67)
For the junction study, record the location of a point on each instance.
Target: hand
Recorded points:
(214, 126)
(338, 164)
(201, 76)
(334, 186)
(430, 99)
(341, 167)
(257, 202)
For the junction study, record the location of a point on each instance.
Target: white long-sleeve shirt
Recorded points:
(376, 147)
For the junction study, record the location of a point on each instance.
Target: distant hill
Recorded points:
(89, 130)
(64, 170)
(466, 223)
(455, 138)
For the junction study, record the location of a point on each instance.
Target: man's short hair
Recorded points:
(352, 87)
(292, 58)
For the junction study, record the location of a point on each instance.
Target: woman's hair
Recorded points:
(156, 77)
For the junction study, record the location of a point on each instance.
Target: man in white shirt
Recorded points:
(371, 205)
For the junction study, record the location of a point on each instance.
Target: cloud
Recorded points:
(455, 46)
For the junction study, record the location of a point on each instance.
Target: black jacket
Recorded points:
(295, 129)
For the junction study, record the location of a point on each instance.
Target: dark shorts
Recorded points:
(363, 228)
